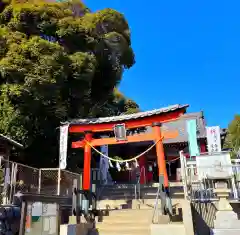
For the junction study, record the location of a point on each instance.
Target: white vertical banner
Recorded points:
(214, 139)
(63, 146)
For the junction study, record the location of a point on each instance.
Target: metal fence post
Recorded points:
(58, 181)
(80, 187)
(93, 201)
(184, 175)
(11, 183)
(39, 180)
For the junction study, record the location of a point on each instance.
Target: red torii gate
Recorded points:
(152, 118)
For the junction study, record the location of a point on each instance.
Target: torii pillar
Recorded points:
(162, 169)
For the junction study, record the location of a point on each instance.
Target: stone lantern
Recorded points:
(226, 222)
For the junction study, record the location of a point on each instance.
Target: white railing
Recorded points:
(199, 181)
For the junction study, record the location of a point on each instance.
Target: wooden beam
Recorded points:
(135, 123)
(130, 139)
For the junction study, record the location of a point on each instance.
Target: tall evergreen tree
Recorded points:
(58, 60)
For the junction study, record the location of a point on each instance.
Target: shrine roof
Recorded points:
(127, 117)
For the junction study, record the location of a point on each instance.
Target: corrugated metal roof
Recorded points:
(11, 141)
(122, 118)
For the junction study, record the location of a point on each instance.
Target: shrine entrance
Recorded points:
(92, 129)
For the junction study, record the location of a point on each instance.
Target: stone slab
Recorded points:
(161, 219)
(225, 231)
(226, 220)
(168, 229)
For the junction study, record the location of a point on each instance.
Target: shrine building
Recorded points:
(172, 147)
(173, 121)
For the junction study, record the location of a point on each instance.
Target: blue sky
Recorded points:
(187, 52)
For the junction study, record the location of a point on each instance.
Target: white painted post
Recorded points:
(39, 180)
(58, 181)
(183, 172)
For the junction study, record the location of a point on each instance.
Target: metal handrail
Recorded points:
(156, 209)
(137, 185)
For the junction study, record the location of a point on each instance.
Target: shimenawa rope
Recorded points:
(131, 159)
(123, 161)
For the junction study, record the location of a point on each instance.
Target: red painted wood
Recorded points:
(143, 167)
(203, 147)
(160, 155)
(87, 164)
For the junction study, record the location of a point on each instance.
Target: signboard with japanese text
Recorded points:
(63, 147)
(213, 139)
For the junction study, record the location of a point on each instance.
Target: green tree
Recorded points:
(116, 104)
(232, 140)
(58, 60)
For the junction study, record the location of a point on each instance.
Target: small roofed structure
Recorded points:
(7, 144)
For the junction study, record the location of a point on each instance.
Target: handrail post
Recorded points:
(23, 218)
(58, 181)
(39, 180)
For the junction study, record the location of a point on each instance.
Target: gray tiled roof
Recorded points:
(122, 118)
(181, 126)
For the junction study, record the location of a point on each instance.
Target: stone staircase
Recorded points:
(123, 196)
(128, 215)
(126, 222)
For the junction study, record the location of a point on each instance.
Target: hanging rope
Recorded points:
(173, 160)
(123, 161)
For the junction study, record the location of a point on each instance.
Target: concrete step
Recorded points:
(124, 230)
(128, 216)
(130, 212)
(126, 221)
(123, 226)
(106, 232)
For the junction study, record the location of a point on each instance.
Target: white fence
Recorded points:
(199, 179)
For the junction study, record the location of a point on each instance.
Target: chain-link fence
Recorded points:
(16, 177)
(55, 181)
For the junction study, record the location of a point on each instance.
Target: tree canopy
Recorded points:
(117, 104)
(232, 140)
(59, 60)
